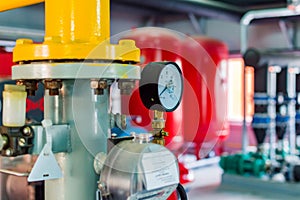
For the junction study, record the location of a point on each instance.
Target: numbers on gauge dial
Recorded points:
(169, 86)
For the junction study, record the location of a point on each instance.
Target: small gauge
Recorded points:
(161, 86)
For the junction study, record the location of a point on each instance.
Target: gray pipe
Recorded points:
(12, 33)
(257, 58)
(261, 14)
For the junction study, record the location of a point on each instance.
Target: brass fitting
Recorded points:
(158, 124)
(159, 138)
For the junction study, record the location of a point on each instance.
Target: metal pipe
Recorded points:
(12, 4)
(201, 8)
(15, 33)
(76, 101)
(244, 23)
(271, 91)
(291, 91)
(257, 58)
(14, 173)
(77, 21)
(261, 14)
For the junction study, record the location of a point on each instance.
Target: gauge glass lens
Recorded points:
(169, 86)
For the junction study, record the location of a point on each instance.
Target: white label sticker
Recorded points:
(160, 169)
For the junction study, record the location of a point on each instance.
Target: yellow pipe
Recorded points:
(73, 21)
(12, 4)
(76, 29)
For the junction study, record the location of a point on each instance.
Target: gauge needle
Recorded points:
(163, 90)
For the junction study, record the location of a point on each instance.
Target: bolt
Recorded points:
(102, 84)
(126, 86)
(27, 131)
(53, 92)
(22, 142)
(94, 84)
(9, 152)
(98, 86)
(53, 86)
(98, 91)
(31, 86)
(101, 186)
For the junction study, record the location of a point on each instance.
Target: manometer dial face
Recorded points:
(161, 86)
(170, 86)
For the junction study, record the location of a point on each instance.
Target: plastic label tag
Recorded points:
(45, 168)
(160, 169)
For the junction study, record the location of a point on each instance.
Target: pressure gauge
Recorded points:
(161, 86)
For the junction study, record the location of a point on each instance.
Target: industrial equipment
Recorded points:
(275, 117)
(204, 87)
(78, 157)
(156, 44)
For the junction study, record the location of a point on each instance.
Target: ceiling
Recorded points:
(254, 4)
(222, 9)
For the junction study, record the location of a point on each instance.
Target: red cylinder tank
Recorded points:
(204, 98)
(156, 44)
(6, 62)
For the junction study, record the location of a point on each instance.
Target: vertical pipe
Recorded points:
(79, 179)
(291, 90)
(77, 21)
(55, 104)
(271, 91)
(244, 42)
(245, 140)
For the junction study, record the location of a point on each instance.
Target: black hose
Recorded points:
(181, 191)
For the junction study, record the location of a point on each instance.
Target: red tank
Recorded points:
(204, 100)
(156, 44)
(6, 63)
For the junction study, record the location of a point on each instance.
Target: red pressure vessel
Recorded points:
(156, 44)
(6, 62)
(204, 100)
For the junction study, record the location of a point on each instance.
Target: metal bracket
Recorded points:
(61, 141)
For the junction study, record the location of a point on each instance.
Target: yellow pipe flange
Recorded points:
(26, 50)
(76, 29)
